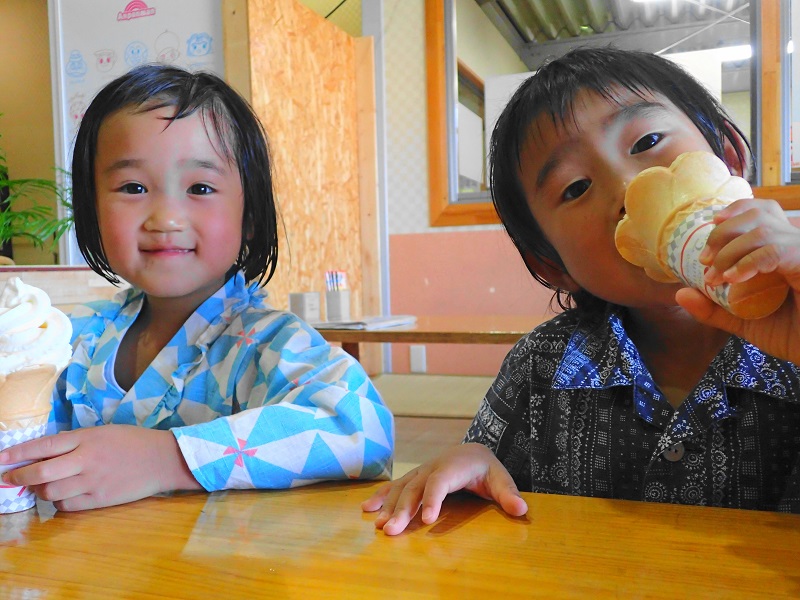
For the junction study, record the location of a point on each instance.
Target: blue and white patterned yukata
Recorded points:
(255, 397)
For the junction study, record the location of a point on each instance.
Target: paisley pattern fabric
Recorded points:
(254, 396)
(575, 411)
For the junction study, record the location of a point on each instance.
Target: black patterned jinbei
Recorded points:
(575, 411)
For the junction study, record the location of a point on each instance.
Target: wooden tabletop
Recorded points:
(448, 329)
(315, 542)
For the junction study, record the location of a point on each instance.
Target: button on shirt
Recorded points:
(575, 411)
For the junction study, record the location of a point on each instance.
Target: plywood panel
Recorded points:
(237, 46)
(303, 86)
(372, 356)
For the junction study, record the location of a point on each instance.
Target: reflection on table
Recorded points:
(314, 541)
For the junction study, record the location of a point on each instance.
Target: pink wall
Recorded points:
(460, 273)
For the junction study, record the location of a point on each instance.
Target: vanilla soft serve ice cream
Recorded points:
(32, 331)
(34, 349)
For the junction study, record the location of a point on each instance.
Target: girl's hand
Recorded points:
(470, 467)
(752, 236)
(99, 466)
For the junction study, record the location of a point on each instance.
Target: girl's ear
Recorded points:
(551, 273)
(733, 143)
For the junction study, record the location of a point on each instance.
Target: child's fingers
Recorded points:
(60, 490)
(40, 448)
(390, 493)
(751, 243)
(438, 486)
(707, 312)
(404, 509)
(744, 257)
(402, 502)
(742, 217)
(740, 207)
(375, 501)
(504, 491)
(46, 471)
(78, 502)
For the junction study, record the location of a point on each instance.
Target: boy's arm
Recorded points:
(471, 466)
(310, 413)
(752, 236)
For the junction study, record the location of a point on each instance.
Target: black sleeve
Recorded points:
(503, 420)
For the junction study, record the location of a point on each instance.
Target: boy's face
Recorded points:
(169, 207)
(575, 175)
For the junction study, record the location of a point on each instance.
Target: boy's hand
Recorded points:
(752, 236)
(99, 466)
(470, 467)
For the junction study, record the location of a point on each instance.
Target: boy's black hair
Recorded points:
(551, 91)
(240, 134)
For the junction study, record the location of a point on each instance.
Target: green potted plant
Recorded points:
(26, 208)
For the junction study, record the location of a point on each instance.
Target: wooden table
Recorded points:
(315, 542)
(442, 329)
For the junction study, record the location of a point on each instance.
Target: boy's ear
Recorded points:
(734, 143)
(551, 273)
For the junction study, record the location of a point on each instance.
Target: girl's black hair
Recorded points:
(551, 91)
(240, 134)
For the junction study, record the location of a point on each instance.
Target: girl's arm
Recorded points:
(309, 413)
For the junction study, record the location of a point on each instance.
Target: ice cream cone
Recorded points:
(25, 405)
(669, 214)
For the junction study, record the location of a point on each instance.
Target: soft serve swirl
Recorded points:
(32, 332)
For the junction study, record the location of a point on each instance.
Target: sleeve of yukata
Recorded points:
(308, 413)
(85, 317)
(502, 423)
(61, 414)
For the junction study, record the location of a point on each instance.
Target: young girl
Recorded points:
(199, 383)
(637, 390)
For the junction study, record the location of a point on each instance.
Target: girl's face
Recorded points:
(170, 207)
(575, 175)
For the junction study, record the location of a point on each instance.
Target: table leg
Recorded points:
(351, 348)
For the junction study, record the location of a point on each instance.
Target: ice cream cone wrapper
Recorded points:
(14, 498)
(25, 405)
(684, 245)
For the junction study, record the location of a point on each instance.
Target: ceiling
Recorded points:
(541, 29)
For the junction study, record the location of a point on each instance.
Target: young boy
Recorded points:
(638, 390)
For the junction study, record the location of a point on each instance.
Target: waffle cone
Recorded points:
(26, 397)
(658, 199)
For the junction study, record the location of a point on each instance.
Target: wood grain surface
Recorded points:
(315, 542)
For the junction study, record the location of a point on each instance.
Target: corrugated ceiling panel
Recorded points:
(546, 20)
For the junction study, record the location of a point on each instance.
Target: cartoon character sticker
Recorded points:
(167, 47)
(76, 109)
(199, 44)
(105, 60)
(76, 67)
(135, 54)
